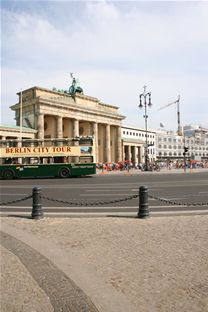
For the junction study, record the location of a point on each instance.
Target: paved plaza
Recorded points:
(110, 264)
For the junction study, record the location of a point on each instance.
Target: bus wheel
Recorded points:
(8, 174)
(64, 172)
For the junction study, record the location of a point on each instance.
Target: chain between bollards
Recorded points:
(37, 212)
(143, 212)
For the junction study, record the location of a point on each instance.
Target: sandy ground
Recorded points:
(154, 265)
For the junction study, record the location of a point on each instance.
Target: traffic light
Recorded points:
(186, 149)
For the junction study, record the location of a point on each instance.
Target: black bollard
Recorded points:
(37, 212)
(143, 212)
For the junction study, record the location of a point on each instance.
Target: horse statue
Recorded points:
(75, 87)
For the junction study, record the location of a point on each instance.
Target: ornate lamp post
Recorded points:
(144, 97)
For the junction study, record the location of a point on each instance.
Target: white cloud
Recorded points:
(114, 48)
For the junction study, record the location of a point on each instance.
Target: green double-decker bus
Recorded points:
(61, 158)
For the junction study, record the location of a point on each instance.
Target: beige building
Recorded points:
(15, 133)
(57, 114)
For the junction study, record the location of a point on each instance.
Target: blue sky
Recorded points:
(114, 48)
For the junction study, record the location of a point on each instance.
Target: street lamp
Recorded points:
(144, 96)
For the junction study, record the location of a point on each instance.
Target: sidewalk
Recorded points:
(104, 264)
(162, 171)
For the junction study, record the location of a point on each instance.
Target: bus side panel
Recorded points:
(48, 170)
(39, 170)
(83, 169)
(25, 171)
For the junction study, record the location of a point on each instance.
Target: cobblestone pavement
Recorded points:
(63, 294)
(121, 264)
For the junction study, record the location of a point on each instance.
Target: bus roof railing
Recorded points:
(77, 138)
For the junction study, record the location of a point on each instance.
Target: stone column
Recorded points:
(118, 145)
(76, 128)
(95, 136)
(143, 154)
(139, 154)
(76, 134)
(40, 126)
(129, 153)
(108, 155)
(123, 152)
(59, 127)
(135, 159)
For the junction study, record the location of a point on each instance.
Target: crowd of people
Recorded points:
(190, 163)
(126, 165)
(179, 164)
(118, 166)
(153, 166)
